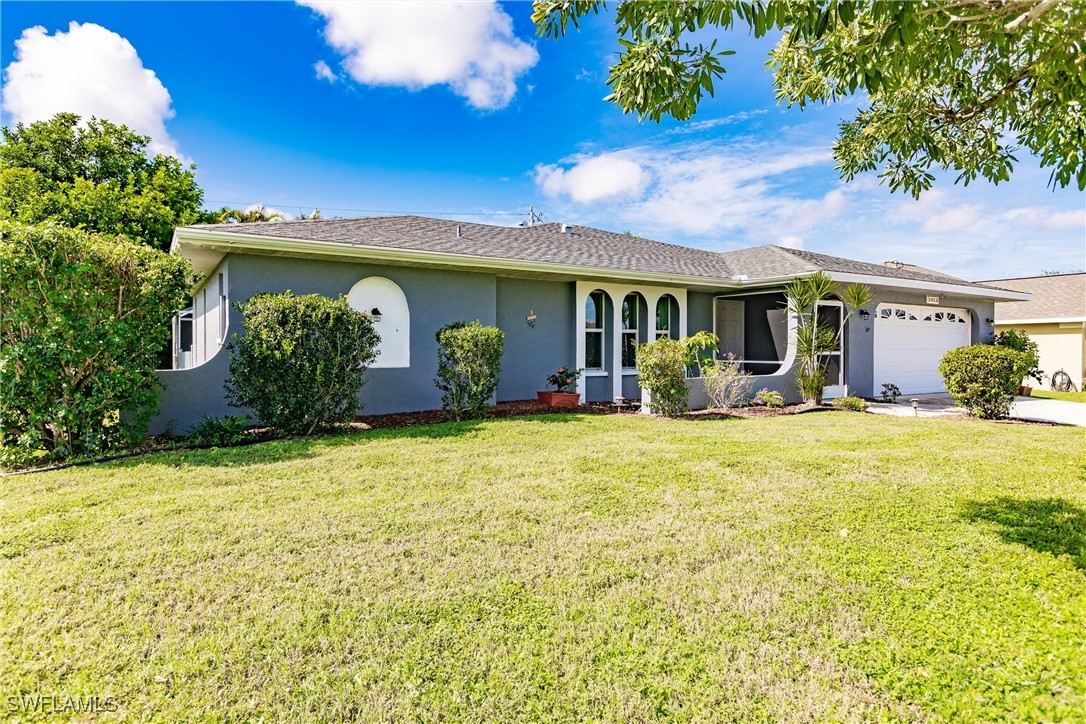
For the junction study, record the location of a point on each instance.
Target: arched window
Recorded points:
(631, 325)
(664, 314)
(594, 314)
(383, 299)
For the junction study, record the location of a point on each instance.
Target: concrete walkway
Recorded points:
(1024, 408)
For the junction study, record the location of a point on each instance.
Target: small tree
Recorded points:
(301, 361)
(661, 369)
(982, 378)
(814, 341)
(469, 359)
(82, 320)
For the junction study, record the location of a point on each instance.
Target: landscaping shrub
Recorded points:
(890, 392)
(469, 359)
(850, 403)
(769, 398)
(725, 382)
(982, 378)
(811, 383)
(301, 361)
(83, 319)
(1018, 340)
(229, 430)
(661, 369)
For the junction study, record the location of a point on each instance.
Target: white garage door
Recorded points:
(910, 340)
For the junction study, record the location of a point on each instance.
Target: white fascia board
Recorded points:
(1046, 320)
(920, 285)
(232, 242)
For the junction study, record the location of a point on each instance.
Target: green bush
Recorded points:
(661, 369)
(811, 382)
(469, 359)
(982, 378)
(83, 319)
(301, 361)
(229, 430)
(890, 392)
(1018, 340)
(850, 403)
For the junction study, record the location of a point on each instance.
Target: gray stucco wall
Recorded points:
(435, 298)
(699, 313)
(533, 353)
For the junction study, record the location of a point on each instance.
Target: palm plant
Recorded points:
(814, 341)
(251, 215)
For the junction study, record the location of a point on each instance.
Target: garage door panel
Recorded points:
(910, 341)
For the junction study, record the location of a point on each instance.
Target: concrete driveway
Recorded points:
(1024, 408)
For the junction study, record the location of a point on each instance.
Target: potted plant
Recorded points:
(565, 379)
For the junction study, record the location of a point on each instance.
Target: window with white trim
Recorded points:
(224, 309)
(594, 311)
(630, 307)
(663, 316)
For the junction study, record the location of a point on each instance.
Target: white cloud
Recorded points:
(790, 241)
(91, 71)
(709, 124)
(470, 47)
(956, 218)
(593, 178)
(324, 72)
(1047, 218)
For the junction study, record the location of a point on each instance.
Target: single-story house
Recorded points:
(1055, 318)
(563, 295)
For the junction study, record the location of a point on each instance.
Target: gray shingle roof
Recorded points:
(585, 246)
(774, 261)
(1056, 296)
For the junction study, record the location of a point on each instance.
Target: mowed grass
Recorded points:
(829, 566)
(1053, 395)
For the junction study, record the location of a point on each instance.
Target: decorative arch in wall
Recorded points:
(378, 295)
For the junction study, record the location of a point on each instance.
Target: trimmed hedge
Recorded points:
(983, 378)
(469, 359)
(301, 361)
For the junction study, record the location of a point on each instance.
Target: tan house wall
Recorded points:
(1061, 346)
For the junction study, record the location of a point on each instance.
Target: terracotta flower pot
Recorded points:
(559, 399)
(1025, 391)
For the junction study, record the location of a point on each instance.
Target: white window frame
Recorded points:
(630, 330)
(662, 331)
(601, 322)
(841, 387)
(224, 309)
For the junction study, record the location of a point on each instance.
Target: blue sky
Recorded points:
(463, 112)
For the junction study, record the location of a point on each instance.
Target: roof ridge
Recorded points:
(1034, 276)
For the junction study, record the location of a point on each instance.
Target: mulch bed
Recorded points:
(501, 410)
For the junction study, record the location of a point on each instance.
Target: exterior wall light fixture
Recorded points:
(376, 314)
(530, 319)
(865, 315)
(990, 322)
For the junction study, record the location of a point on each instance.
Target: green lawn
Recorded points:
(816, 567)
(1053, 395)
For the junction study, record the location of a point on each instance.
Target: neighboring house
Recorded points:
(563, 295)
(1055, 318)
